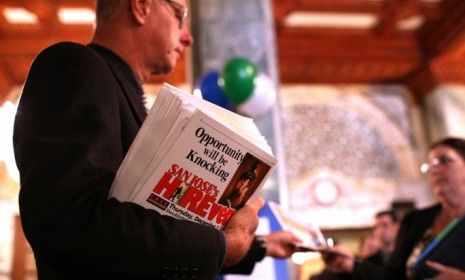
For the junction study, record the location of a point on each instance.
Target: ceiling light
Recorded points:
(410, 23)
(324, 19)
(76, 15)
(19, 16)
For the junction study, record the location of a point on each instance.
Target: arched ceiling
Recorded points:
(417, 42)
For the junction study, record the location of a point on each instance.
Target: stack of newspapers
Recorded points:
(193, 160)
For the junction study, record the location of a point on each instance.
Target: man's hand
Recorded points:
(281, 244)
(240, 231)
(445, 272)
(339, 259)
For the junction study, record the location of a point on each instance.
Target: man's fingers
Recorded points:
(435, 265)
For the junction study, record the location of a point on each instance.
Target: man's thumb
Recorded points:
(256, 204)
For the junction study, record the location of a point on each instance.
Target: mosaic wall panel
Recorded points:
(445, 112)
(349, 152)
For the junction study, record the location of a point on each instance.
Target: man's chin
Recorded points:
(163, 71)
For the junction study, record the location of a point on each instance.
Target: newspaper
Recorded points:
(193, 160)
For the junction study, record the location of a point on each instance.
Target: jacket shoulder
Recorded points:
(421, 218)
(68, 56)
(428, 211)
(69, 49)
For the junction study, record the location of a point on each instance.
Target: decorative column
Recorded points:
(241, 28)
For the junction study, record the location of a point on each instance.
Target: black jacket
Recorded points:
(77, 117)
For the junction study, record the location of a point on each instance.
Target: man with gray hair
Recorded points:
(79, 112)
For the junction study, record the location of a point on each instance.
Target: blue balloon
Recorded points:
(212, 92)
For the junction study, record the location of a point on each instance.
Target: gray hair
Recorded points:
(105, 9)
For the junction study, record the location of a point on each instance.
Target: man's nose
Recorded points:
(186, 37)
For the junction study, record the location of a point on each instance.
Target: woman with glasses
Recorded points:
(445, 170)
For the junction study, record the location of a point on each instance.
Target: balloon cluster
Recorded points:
(240, 86)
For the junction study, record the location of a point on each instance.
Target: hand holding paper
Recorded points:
(310, 236)
(240, 231)
(281, 244)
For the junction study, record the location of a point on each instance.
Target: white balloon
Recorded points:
(262, 99)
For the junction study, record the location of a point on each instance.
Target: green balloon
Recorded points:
(238, 76)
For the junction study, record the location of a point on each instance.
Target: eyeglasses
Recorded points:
(180, 11)
(441, 160)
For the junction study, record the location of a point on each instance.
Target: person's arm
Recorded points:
(341, 260)
(445, 272)
(280, 244)
(365, 270)
(255, 254)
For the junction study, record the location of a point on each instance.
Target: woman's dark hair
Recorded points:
(457, 144)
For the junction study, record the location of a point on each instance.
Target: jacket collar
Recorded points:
(126, 79)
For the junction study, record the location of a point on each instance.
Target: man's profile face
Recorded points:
(168, 37)
(385, 228)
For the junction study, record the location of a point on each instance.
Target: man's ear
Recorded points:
(140, 10)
